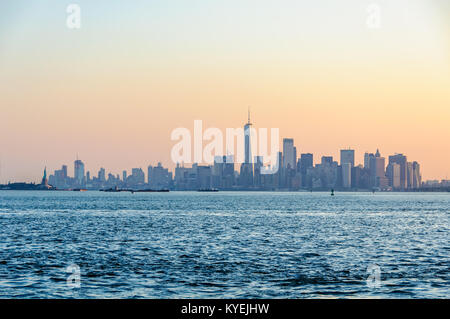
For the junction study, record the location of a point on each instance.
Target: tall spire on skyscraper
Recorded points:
(249, 123)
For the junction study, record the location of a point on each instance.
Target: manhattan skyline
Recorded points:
(290, 171)
(281, 169)
(113, 90)
(358, 158)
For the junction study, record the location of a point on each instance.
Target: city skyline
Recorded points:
(374, 174)
(251, 164)
(292, 171)
(345, 155)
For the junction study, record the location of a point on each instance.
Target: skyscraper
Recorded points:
(409, 175)
(257, 170)
(289, 153)
(417, 178)
(346, 175)
(204, 177)
(102, 175)
(149, 173)
(395, 175)
(247, 134)
(246, 173)
(79, 172)
(137, 177)
(228, 171)
(159, 177)
(306, 162)
(64, 170)
(347, 163)
(377, 170)
(367, 158)
(401, 160)
(348, 156)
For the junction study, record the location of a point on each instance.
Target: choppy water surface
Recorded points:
(224, 245)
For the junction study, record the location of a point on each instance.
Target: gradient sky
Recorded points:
(113, 90)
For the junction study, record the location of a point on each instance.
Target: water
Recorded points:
(224, 245)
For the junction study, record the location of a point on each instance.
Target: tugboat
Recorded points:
(332, 192)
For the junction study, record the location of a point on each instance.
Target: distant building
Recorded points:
(247, 141)
(228, 172)
(204, 177)
(159, 177)
(409, 175)
(79, 173)
(289, 153)
(325, 175)
(246, 170)
(306, 162)
(377, 171)
(360, 177)
(101, 175)
(136, 179)
(348, 156)
(394, 175)
(186, 177)
(417, 178)
(60, 179)
(327, 160)
(257, 171)
(346, 175)
(367, 158)
(401, 160)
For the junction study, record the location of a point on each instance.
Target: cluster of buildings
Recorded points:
(157, 178)
(293, 173)
(300, 173)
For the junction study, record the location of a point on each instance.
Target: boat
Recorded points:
(208, 190)
(111, 190)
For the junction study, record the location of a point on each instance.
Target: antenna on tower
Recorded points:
(249, 116)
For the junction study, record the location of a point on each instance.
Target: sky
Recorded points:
(112, 91)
